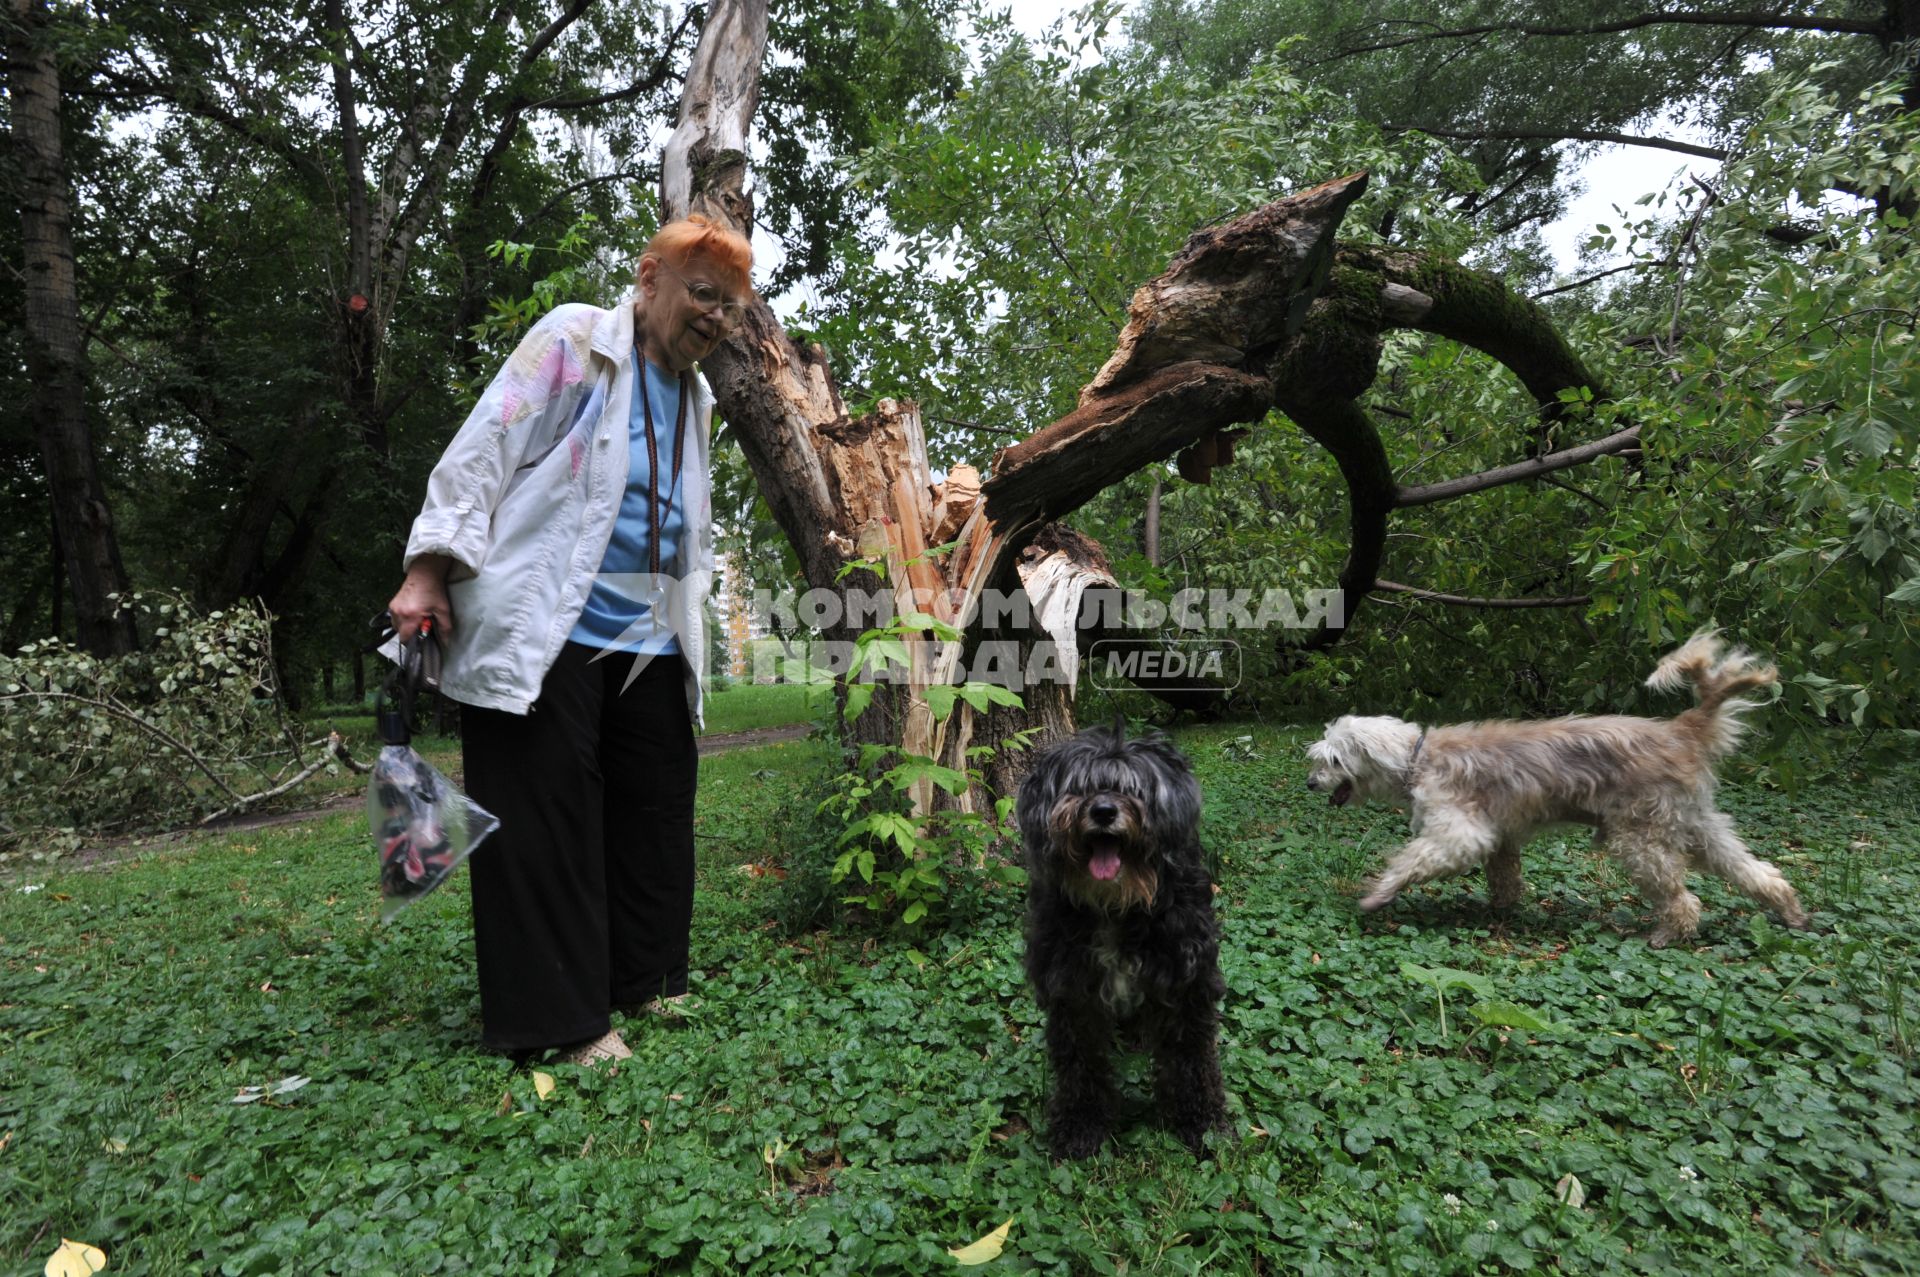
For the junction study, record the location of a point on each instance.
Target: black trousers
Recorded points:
(583, 899)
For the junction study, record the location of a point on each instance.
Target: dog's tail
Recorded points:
(1718, 676)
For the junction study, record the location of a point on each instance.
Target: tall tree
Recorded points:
(1525, 88)
(302, 230)
(83, 522)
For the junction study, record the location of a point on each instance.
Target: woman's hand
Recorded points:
(423, 594)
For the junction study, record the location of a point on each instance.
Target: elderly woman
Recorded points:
(568, 523)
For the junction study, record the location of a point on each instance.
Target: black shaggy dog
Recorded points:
(1120, 931)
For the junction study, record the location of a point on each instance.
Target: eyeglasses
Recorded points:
(708, 297)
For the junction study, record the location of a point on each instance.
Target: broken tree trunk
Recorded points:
(1192, 361)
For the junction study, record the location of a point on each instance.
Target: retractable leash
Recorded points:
(418, 667)
(422, 826)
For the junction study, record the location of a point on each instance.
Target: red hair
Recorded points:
(697, 235)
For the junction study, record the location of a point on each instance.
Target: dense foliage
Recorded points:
(1759, 331)
(843, 1105)
(1524, 90)
(189, 726)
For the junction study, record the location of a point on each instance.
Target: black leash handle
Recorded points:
(419, 666)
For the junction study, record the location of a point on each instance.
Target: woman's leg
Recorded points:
(648, 757)
(539, 883)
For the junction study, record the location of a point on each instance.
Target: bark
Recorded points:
(1150, 536)
(246, 566)
(1057, 569)
(83, 522)
(1899, 35)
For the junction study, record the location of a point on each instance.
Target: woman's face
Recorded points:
(684, 311)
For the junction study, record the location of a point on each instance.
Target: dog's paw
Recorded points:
(1376, 902)
(1076, 1141)
(1195, 1138)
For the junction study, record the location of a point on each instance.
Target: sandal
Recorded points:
(678, 1008)
(608, 1046)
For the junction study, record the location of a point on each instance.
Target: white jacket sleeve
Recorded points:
(513, 419)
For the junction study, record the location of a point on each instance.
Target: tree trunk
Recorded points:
(83, 523)
(1191, 360)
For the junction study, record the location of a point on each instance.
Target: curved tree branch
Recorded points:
(1332, 362)
(1478, 310)
(190, 95)
(1461, 600)
(1343, 428)
(516, 110)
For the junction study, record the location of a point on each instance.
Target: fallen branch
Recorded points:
(340, 752)
(1462, 600)
(1532, 468)
(335, 748)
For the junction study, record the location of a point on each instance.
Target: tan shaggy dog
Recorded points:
(1480, 791)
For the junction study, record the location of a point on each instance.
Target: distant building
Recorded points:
(733, 602)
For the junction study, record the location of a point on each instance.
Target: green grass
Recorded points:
(747, 705)
(858, 1104)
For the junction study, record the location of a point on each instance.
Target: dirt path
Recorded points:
(118, 849)
(724, 741)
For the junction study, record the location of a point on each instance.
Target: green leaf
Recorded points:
(940, 701)
(1510, 1015)
(1873, 438)
(876, 652)
(983, 695)
(911, 621)
(913, 769)
(859, 696)
(1444, 978)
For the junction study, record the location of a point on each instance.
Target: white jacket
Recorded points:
(524, 502)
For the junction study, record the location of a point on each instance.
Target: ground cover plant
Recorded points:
(865, 1100)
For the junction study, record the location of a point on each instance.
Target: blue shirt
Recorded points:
(619, 613)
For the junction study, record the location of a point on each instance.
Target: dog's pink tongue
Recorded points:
(1104, 865)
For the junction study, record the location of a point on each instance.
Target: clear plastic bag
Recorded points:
(423, 827)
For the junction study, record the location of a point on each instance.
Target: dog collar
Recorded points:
(1415, 760)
